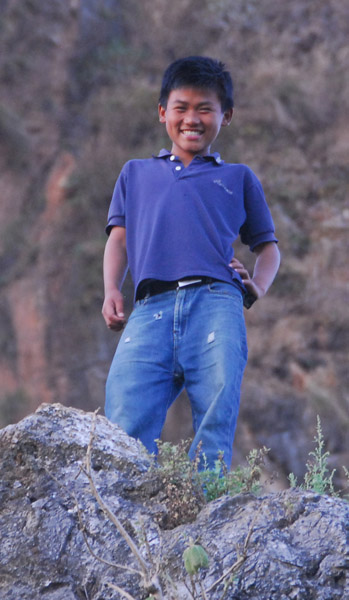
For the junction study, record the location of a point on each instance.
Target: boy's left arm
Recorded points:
(265, 268)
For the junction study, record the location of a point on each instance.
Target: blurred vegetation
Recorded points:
(15, 141)
(12, 405)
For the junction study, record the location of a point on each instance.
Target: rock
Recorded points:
(292, 544)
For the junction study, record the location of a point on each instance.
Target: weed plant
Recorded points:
(346, 473)
(219, 481)
(181, 492)
(186, 487)
(317, 478)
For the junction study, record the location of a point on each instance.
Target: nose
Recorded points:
(192, 117)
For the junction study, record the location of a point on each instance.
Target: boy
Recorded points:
(173, 219)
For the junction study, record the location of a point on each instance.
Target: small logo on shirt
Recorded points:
(221, 184)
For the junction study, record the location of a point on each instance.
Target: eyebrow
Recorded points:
(184, 103)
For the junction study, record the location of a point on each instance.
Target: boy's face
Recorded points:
(193, 118)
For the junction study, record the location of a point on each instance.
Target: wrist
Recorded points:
(258, 288)
(110, 290)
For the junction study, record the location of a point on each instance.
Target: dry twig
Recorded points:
(121, 591)
(93, 553)
(240, 561)
(151, 582)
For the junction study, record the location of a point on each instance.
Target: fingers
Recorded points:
(116, 323)
(244, 274)
(239, 268)
(245, 277)
(236, 264)
(119, 307)
(113, 312)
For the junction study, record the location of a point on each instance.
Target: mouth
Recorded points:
(191, 132)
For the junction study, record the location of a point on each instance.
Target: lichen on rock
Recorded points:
(295, 544)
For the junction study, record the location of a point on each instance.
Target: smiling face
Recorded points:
(193, 119)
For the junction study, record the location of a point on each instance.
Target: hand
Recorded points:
(249, 284)
(113, 310)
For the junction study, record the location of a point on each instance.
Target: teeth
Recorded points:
(191, 132)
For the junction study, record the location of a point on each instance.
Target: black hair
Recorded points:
(200, 72)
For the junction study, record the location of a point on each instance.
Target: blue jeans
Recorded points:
(194, 337)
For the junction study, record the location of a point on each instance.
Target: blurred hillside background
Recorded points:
(79, 82)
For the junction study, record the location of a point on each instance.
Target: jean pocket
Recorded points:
(219, 288)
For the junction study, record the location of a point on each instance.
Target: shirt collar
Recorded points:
(215, 156)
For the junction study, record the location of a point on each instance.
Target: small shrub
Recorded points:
(317, 476)
(181, 493)
(185, 489)
(220, 481)
(346, 474)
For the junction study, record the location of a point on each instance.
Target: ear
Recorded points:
(227, 117)
(162, 114)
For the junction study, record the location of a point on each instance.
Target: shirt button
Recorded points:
(178, 168)
(172, 157)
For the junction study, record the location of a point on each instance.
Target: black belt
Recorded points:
(155, 286)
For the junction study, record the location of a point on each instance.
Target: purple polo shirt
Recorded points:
(182, 221)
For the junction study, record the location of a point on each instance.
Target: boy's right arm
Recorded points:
(114, 268)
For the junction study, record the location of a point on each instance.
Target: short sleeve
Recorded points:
(116, 213)
(258, 227)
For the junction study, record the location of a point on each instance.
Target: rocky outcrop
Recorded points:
(291, 544)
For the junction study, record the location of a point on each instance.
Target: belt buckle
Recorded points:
(185, 282)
